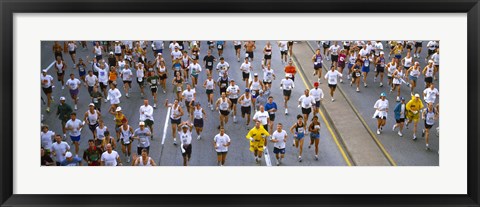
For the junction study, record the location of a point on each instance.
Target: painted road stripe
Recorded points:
(50, 66)
(166, 125)
(379, 144)
(267, 157)
(344, 155)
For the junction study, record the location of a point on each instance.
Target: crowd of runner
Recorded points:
(123, 63)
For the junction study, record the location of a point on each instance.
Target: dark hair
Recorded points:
(106, 133)
(144, 150)
(91, 140)
(73, 113)
(299, 116)
(270, 97)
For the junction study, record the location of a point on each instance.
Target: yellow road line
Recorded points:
(379, 144)
(344, 155)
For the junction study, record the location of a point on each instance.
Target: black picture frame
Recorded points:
(10, 7)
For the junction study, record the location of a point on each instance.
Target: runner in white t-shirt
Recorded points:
(306, 102)
(110, 157)
(59, 149)
(47, 83)
(74, 126)
(46, 138)
(279, 138)
(333, 51)
(233, 92)
(221, 142)
(283, 45)
(430, 94)
(381, 112)
(74, 84)
(287, 85)
(332, 77)
(317, 94)
(127, 77)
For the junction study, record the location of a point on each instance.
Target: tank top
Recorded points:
(162, 69)
(299, 129)
(118, 49)
(430, 117)
(382, 62)
(175, 112)
(255, 85)
(429, 72)
(352, 59)
(268, 50)
(247, 101)
(71, 47)
(147, 164)
(59, 66)
(140, 74)
(98, 50)
(396, 79)
(92, 118)
(366, 63)
(121, 64)
(391, 69)
(118, 119)
(197, 113)
(186, 61)
(408, 62)
(125, 135)
(223, 83)
(414, 72)
(100, 132)
(318, 58)
(209, 84)
(223, 105)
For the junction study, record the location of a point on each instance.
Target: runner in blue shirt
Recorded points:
(271, 107)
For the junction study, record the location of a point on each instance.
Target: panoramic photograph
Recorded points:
(299, 103)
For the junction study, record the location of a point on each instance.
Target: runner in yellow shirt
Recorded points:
(257, 137)
(413, 112)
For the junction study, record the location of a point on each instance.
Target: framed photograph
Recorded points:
(308, 103)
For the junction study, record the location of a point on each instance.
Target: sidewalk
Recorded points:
(358, 142)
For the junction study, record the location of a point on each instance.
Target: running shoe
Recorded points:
(423, 132)
(400, 134)
(316, 157)
(48, 109)
(299, 158)
(174, 141)
(278, 163)
(414, 137)
(378, 131)
(286, 111)
(427, 147)
(199, 137)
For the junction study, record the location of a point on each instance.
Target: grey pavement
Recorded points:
(203, 152)
(403, 150)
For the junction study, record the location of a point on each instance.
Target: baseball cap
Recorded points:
(68, 155)
(62, 98)
(255, 74)
(118, 108)
(247, 90)
(44, 70)
(91, 104)
(114, 82)
(184, 126)
(383, 94)
(382, 53)
(402, 98)
(416, 95)
(111, 53)
(260, 91)
(141, 123)
(315, 84)
(159, 54)
(430, 61)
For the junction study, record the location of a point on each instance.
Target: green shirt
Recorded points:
(153, 81)
(64, 111)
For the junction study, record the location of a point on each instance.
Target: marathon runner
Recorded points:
(232, 92)
(140, 72)
(63, 112)
(380, 67)
(195, 69)
(146, 115)
(73, 85)
(267, 54)
(317, 94)
(306, 102)
(144, 160)
(314, 129)
(199, 116)
(413, 74)
(74, 127)
(332, 77)
(114, 96)
(429, 115)
(127, 77)
(59, 149)
(300, 128)
(152, 80)
(238, 46)
(177, 83)
(317, 60)
(381, 112)
(208, 62)
(189, 95)
(142, 134)
(222, 105)
(209, 86)
(81, 67)
(91, 118)
(283, 45)
(175, 117)
(70, 160)
(100, 132)
(271, 108)
(246, 68)
(279, 138)
(91, 81)
(92, 154)
(245, 101)
(47, 138)
(413, 108)
(47, 85)
(221, 141)
(257, 136)
(186, 141)
(60, 67)
(110, 157)
(287, 85)
(400, 114)
(108, 140)
(249, 49)
(290, 70)
(126, 134)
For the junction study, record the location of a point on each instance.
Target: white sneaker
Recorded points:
(234, 119)
(378, 131)
(164, 91)
(128, 159)
(105, 100)
(63, 87)
(400, 134)
(256, 160)
(126, 95)
(154, 105)
(319, 81)
(374, 79)
(48, 109)
(278, 163)
(381, 84)
(414, 137)
(394, 127)
(333, 99)
(286, 111)
(299, 158)
(75, 107)
(316, 157)
(365, 85)
(199, 137)
(426, 147)
(358, 90)
(174, 141)
(341, 80)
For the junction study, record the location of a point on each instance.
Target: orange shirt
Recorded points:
(112, 76)
(290, 69)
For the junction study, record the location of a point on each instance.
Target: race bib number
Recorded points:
(223, 85)
(220, 47)
(179, 88)
(95, 100)
(300, 130)
(143, 141)
(209, 63)
(357, 74)
(140, 79)
(332, 80)
(81, 69)
(102, 73)
(154, 81)
(180, 47)
(110, 163)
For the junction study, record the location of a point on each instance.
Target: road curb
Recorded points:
(364, 123)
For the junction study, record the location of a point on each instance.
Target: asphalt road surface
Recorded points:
(203, 154)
